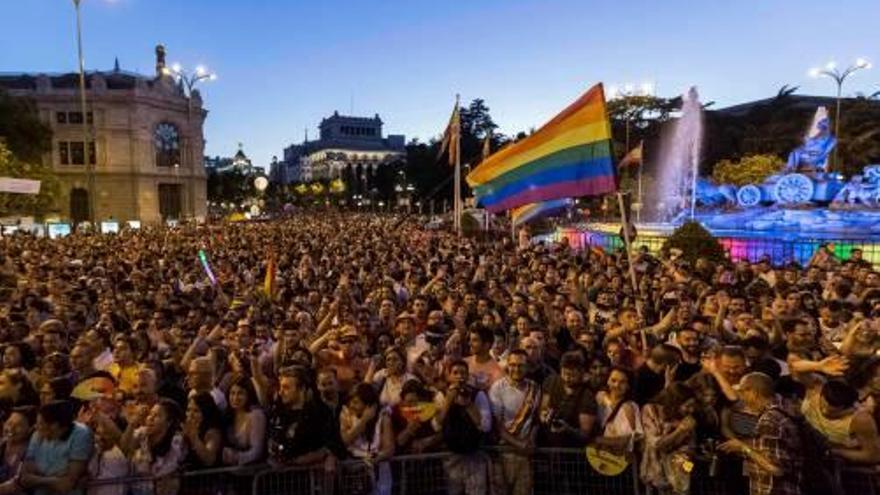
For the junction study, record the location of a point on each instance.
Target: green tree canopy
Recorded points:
(38, 205)
(26, 136)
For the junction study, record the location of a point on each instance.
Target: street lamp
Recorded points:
(90, 170)
(189, 79)
(626, 93)
(839, 76)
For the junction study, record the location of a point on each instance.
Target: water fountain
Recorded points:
(786, 216)
(679, 160)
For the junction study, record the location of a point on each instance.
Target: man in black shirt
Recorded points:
(688, 341)
(299, 425)
(568, 410)
(650, 377)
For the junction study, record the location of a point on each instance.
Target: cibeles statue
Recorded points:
(812, 156)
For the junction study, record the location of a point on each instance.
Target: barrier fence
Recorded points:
(553, 472)
(781, 249)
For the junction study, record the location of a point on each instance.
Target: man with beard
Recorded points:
(688, 341)
(301, 427)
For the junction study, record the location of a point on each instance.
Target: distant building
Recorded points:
(239, 162)
(352, 148)
(146, 142)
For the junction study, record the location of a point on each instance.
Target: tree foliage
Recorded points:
(778, 125)
(231, 186)
(751, 169)
(38, 205)
(26, 136)
(694, 242)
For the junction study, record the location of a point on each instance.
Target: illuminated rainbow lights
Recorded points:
(739, 248)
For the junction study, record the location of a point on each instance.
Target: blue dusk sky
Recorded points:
(285, 64)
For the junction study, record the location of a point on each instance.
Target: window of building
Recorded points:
(63, 152)
(61, 117)
(73, 153)
(166, 140)
(77, 153)
(76, 118)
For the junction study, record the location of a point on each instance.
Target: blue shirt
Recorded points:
(52, 457)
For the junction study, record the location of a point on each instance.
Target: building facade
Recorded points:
(350, 148)
(145, 142)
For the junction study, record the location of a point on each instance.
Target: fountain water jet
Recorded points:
(679, 161)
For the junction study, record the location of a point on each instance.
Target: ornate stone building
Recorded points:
(145, 142)
(351, 148)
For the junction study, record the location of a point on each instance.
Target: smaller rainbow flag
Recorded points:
(531, 211)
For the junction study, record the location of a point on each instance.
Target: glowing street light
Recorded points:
(190, 79)
(839, 76)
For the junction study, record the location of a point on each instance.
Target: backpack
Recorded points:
(817, 472)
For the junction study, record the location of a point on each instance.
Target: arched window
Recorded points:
(166, 140)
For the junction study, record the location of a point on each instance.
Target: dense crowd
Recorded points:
(125, 355)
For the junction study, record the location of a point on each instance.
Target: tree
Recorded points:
(231, 186)
(752, 169)
(694, 242)
(37, 205)
(26, 136)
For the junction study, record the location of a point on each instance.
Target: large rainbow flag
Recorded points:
(569, 156)
(531, 211)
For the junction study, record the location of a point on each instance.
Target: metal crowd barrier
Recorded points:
(554, 472)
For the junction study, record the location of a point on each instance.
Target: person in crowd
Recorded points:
(618, 416)
(17, 430)
(389, 380)
(203, 431)
(124, 367)
(670, 436)
(773, 455)
(484, 370)
(411, 419)
(568, 408)
(107, 463)
(156, 447)
(366, 430)
(299, 424)
(515, 402)
(16, 390)
(58, 453)
(245, 426)
(464, 419)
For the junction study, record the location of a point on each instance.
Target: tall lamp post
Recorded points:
(90, 168)
(838, 76)
(626, 94)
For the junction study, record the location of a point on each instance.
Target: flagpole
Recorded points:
(457, 198)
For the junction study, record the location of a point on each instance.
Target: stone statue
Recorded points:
(160, 60)
(818, 143)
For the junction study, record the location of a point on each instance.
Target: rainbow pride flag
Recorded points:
(531, 211)
(569, 156)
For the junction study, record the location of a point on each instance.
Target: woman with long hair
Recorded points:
(389, 380)
(203, 430)
(156, 447)
(670, 434)
(619, 415)
(245, 425)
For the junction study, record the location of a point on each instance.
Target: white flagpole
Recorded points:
(457, 199)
